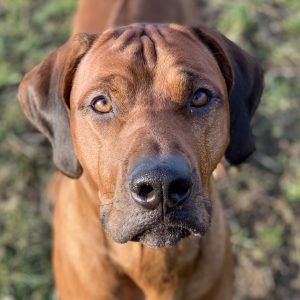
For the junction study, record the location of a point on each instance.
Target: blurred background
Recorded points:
(262, 198)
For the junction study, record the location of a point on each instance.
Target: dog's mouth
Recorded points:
(163, 235)
(154, 230)
(157, 233)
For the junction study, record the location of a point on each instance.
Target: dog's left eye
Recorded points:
(200, 98)
(102, 105)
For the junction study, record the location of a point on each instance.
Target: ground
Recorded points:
(262, 197)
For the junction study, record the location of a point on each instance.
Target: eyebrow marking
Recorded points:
(113, 78)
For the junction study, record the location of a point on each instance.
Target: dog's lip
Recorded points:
(148, 223)
(163, 236)
(139, 233)
(184, 229)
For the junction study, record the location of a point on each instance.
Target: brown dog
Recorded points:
(141, 116)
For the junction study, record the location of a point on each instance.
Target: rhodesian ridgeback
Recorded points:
(139, 116)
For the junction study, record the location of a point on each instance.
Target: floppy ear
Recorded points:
(44, 96)
(244, 80)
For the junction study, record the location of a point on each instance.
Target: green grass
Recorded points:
(29, 30)
(262, 198)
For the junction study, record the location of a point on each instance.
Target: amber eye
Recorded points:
(200, 98)
(101, 104)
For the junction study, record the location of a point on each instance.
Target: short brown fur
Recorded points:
(155, 68)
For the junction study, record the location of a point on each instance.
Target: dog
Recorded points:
(139, 116)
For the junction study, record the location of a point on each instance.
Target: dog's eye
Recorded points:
(100, 104)
(200, 98)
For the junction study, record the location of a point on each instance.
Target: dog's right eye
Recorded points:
(200, 98)
(102, 105)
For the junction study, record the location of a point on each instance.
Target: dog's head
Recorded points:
(147, 111)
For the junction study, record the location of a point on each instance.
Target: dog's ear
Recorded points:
(244, 80)
(44, 96)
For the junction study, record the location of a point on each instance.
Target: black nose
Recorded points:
(153, 181)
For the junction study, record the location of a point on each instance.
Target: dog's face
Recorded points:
(150, 120)
(149, 124)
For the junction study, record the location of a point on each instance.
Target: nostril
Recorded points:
(145, 191)
(145, 194)
(179, 190)
(179, 187)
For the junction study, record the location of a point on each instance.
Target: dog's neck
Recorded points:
(158, 269)
(95, 16)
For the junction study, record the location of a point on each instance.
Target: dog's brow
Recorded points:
(188, 75)
(189, 78)
(112, 82)
(186, 78)
(114, 79)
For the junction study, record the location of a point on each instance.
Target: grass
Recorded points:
(262, 198)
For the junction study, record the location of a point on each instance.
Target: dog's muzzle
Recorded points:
(162, 203)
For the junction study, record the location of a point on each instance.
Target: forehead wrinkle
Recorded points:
(124, 40)
(139, 42)
(149, 51)
(135, 44)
